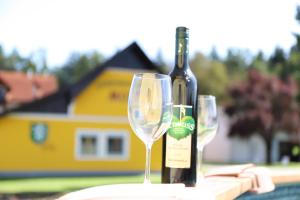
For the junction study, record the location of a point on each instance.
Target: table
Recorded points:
(212, 188)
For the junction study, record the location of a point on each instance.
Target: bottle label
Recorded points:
(179, 137)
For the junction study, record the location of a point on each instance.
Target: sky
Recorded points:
(60, 27)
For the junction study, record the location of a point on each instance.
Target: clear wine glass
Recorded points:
(207, 126)
(150, 110)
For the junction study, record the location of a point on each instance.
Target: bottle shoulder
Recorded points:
(186, 74)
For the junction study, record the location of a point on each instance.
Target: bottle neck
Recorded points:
(182, 52)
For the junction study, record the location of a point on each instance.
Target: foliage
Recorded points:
(259, 62)
(278, 63)
(14, 61)
(264, 104)
(214, 72)
(160, 61)
(292, 65)
(77, 66)
(212, 76)
(213, 55)
(235, 60)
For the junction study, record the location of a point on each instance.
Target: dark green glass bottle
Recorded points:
(179, 157)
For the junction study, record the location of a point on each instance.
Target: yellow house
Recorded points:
(82, 129)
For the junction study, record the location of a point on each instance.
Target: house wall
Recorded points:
(248, 150)
(223, 149)
(106, 95)
(101, 107)
(219, 149)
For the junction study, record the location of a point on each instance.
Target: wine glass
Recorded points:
(150, 110)
(207, 125)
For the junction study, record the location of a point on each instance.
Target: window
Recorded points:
(115, 145)
(102, 144)
(88, 145)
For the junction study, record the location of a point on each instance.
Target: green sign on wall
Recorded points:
(39, 132)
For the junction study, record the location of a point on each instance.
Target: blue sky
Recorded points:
(64, 26)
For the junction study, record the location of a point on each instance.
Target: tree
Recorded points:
(28, 66)
(212, 76)
(297, 36)
(11, 62)
(77, 66)
(278, 63)
(159, 60)
(263, 104)
(235, 61)
(14, 61)
(39, 59)
(2, 58)
(293, 62)
(213, 55)
(260, 63)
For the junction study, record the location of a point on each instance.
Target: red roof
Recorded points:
(23, 88)
(44, 85)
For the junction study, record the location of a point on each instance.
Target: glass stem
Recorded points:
(148, 163)
(199, 162)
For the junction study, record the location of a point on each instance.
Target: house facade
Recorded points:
(224, 149)
(82, 129)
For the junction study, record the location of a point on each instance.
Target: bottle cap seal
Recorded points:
(182, 32)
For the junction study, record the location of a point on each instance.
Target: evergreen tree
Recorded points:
(278, 63)
(77, 66)
(214, 54)
(235, 61)
(259, 62)
(2, 58)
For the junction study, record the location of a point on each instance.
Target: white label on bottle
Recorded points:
(179, 137)
(178, 152)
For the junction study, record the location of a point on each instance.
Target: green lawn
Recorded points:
(62, 185)
(66, 184)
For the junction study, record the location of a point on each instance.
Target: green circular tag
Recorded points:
(181, 128)
(39, 132)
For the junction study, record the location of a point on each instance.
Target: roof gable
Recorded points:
(132, 57)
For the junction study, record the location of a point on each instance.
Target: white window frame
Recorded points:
(88, 132)
(103, 136)
(125, 147)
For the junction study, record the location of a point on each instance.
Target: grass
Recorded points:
(66, 184)
(291, 165)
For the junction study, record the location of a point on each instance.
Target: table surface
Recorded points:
(214, 188)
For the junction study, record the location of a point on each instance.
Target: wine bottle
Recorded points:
(179, 156)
